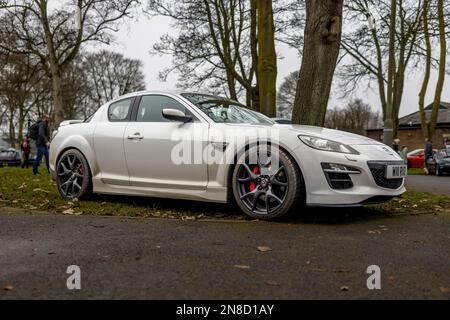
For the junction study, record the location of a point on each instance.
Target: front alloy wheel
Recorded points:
(269, 187)
(73, 175)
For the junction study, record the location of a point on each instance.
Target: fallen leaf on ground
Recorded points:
(264, 249)
(41, 190)
(242, 266)
(273, 283)
(8, 288)
(345, 288)
(69, 211)
(444, 290)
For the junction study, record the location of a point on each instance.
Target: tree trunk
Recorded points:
(267, 59)
(254, 92)
(442, 64)
(231, 86)
(57, 96)
(255, 98)
(12, 131)
(426, 80)
(320, 53)
(21, 123)
(388, 132)
(399, 84)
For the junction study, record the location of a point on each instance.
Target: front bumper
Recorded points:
(367, 186)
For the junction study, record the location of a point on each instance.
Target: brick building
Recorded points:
(410, 129)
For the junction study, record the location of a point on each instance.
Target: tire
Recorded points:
(268, 195)
(73, 175)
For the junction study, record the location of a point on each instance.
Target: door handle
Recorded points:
(136, 136)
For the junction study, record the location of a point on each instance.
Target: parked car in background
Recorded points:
(10, 157)
(440, 164)
(416, 158)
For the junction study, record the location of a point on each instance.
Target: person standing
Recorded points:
(26, 150)
(428, 154)
(42, 144)
(404, 154)
(395, 145)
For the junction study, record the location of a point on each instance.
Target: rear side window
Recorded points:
(151, 108)
(120, 111)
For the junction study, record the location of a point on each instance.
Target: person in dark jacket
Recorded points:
(428, 154)
(26, 150)
(42, 145)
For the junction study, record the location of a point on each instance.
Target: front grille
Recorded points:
(378, 170)
(339, 181)
(338, 175)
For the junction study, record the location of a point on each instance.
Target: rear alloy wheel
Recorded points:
(269, 188)
(73, 175)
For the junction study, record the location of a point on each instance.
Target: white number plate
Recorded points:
(396, 172)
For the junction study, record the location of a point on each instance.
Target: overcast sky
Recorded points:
(135, 39)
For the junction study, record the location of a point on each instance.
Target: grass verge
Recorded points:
(416, 172)
(20, 189)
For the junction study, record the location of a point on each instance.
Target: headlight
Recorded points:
(327, 145)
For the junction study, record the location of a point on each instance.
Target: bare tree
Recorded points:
(216, 48)
(320, 53)
(54, 35)
(19, 90)
(286, 95)
(109, 75)
(355, 117)
(375, 55)
(429, 123)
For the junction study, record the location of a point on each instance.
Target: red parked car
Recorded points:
(416, 158)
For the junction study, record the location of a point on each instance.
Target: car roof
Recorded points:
(172, 92)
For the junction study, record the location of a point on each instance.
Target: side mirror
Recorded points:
(176, 115)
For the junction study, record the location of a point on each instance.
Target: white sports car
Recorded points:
(201, 147)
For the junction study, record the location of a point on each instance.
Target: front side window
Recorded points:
(222, 110)
(119, 111)
(151, 108)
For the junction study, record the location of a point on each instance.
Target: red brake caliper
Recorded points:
(253, 184)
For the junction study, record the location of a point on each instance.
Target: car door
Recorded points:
(160, 153)
(108, 143)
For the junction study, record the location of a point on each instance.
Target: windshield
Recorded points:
(222, 110)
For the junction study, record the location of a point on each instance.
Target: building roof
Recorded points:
(413, 119)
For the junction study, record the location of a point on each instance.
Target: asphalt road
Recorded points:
(433, 184)
(173, 259)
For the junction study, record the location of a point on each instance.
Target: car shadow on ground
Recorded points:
(185, 208)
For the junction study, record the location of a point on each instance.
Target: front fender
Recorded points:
(78, 136)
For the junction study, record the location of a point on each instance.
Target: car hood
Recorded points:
(335, 135)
